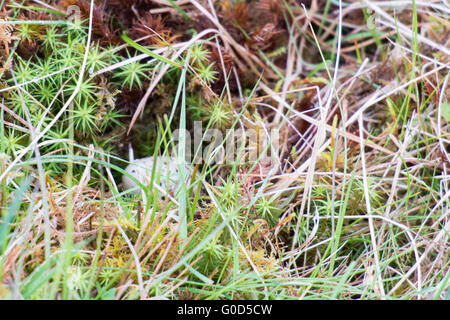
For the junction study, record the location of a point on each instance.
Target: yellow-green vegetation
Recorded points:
(347, 109)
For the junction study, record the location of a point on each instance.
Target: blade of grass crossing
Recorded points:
(150, 53)
(181, 157)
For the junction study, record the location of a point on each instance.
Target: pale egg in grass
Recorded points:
(166, 170)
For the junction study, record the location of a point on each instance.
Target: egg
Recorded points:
(141, 170)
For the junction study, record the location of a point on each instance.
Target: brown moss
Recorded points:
(154, 28)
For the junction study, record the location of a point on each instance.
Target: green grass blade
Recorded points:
(150, 53)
